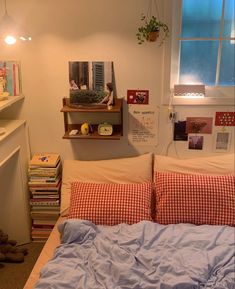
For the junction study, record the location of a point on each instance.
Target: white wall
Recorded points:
(85, 30)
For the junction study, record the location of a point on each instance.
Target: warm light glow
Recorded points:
(189, 91)
(232, 33)
(10, 40)
(190, 79)
(189, 95)
(10, 31)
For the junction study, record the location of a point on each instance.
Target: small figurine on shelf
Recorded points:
(86, 128)
(73, 85)
(109, 97)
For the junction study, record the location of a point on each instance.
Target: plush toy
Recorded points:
(8, 250)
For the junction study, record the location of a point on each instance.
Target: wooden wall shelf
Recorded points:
(94, 110)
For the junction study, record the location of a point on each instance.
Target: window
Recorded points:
(206, 44)
(203, 47)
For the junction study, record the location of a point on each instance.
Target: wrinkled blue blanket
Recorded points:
(141, 256)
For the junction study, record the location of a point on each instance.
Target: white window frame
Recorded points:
(215, 95)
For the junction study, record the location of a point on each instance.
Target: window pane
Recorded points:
(198, 62)
(201, 18)
(227, 66)
(229, 27)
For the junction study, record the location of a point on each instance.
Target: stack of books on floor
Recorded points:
(44, 184)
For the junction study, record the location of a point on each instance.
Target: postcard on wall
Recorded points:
(222, 141)
(195, 142)
(137, 96)
(10, 78)
(180, 131)
(91, 82)
(225, 118)
(143, 123)
(199, 125)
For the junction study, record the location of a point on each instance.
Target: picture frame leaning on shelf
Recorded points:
(10, 79)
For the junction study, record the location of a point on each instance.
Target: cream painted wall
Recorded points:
(92, 30)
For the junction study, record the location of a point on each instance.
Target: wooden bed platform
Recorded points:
(46, 254)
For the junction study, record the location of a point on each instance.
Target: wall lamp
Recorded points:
(189, 90)
(10, 31)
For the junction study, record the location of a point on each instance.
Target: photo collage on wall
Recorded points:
(198, 125)
(193, 129)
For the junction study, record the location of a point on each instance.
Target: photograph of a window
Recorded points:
(207, 42)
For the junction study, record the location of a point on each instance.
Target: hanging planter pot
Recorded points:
(153, 36)
(151, 28)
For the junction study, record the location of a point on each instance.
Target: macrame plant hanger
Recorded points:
(153, 36)
(152, 4)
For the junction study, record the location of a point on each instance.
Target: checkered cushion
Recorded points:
(111, 204)
(197, 199)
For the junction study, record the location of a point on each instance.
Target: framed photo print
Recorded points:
(222, 141)
(91, 83)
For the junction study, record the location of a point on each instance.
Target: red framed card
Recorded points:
(137, 96)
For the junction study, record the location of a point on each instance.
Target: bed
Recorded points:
(144, 222)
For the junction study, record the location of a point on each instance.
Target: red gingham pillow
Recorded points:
(111, 204)
(196, 199)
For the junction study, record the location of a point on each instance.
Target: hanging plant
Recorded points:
(151, 27)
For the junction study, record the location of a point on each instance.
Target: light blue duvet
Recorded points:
(141, 256)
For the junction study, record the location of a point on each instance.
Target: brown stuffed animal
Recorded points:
(8, 250)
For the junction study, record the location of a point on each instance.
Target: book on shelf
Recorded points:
(39, 239)
(45, 190)
(52, 178)
(45, 215)
(44, 202)
(41, 222)
(45, 209)
(11, 78)
(41, 231)
(44, 234)
(37, 170)
(44, 182)
(39, 189)
(36, 175)
(45, 172)
(42, 226)
(44, 160)
(37, 195)
(45, 187)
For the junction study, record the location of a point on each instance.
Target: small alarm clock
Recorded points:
(105, 129)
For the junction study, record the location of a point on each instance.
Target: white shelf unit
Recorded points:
(14, 158)
(9, 101)
(10, 125)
